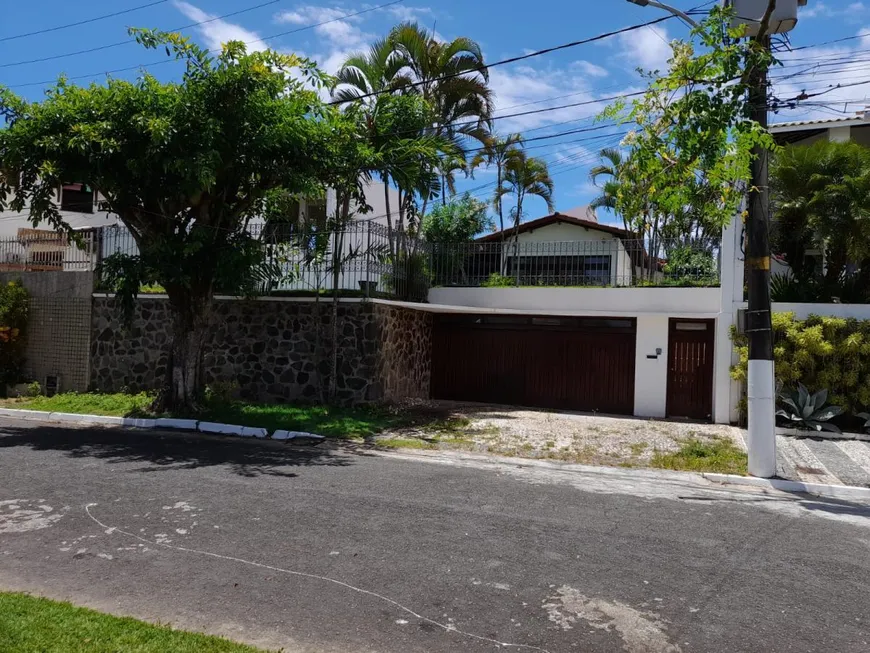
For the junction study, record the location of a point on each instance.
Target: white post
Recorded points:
(762, 418)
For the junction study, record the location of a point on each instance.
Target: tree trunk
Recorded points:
(501, 221)
(338, 247)
(389, 216)
(184, 382)
(517, 237)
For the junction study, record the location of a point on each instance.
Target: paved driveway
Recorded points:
(328, 551)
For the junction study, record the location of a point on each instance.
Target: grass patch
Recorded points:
(330, 421)
(637, 448)
(33, 625)
(695, 455)
(115, 405)
(405, 443)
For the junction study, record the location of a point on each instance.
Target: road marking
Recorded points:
(448, 627)
(641, 632)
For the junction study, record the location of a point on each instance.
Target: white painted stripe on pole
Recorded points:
(761, 438)
(857, 451)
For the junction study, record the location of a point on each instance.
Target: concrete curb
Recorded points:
(842, 492)
(822, 435)
(163, 423)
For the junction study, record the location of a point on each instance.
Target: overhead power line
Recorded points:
(168, 60)
(82, 22)
(126, 41)
(503, 62)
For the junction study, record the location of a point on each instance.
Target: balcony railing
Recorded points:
(41, 250)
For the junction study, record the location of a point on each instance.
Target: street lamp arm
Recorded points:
(676, 12)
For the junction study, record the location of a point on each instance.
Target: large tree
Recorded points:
(692, 131)
(185, 165)
(821, 198)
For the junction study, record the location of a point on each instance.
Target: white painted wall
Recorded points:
(558, 240)
(651, 374)
(803, 311)
(617, 302)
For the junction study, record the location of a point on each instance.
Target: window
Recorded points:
(563, 270)
(77, 198)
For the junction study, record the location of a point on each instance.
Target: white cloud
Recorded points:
(334, 27)
(405, 13)
(216, 32)
(648, 48)
(852, 11)
(590, 69)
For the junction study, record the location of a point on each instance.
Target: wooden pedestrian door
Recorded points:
(690, 369)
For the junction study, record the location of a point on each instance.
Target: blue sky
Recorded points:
(506, 28)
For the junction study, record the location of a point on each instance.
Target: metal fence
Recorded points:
(40, 250)
(367, 260)
(362, 259)
(599, 263)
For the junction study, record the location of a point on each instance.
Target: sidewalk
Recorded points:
(831, 462)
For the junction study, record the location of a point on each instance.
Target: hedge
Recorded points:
(822, 353)
(13, 332)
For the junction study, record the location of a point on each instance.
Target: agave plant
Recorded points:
(808, 411)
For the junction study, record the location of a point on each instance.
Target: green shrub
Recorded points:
(13, 332)
(34, 389)
(822, 353)
(497, 280)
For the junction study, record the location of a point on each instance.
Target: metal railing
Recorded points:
(585, 263)
(363, 259)
(366, 259)
(42, 250)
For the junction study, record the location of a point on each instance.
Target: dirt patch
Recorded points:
(570, 437)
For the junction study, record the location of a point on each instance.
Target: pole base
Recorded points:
(762, 419)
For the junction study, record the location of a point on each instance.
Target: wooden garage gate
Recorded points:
(584, 364)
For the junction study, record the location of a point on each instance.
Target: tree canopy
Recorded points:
(185, 165)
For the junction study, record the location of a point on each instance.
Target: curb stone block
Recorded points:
(138, 422)
(298, 436)
(841, 492)
(25, 414)
(253, 431)
(224, 429)
(72, 417)
(169, 423)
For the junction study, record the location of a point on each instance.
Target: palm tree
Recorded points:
(524, 176)
(609, 170)
(378, 71)
(453, 78)
(498, 151)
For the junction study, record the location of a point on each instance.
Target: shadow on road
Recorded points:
(806, 501)
(169, 451)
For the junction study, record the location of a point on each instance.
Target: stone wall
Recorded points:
(406, 352)
(273, 349)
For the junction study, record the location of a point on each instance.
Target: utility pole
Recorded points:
(760, 391)
(761, 18)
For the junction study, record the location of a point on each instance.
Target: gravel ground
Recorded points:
(573, 437)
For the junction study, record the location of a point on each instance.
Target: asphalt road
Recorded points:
(334, 551)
